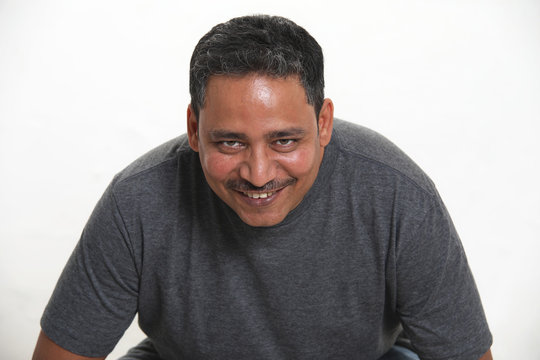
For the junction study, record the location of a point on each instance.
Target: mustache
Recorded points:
(243, 185)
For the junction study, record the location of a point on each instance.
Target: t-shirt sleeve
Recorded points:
(437, 299)
(95, 298)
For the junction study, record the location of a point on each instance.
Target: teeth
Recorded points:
(259, 195)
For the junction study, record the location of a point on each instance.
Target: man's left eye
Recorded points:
(231, 143)
(285, 142)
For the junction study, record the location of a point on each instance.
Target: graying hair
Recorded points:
(261, 44)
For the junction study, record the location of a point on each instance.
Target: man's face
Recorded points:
(258, 144)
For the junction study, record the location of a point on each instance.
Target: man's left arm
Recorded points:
(438, 302)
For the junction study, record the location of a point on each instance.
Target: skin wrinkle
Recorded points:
(273, 185)
(247, 144)
(279, 152)
(270, 46)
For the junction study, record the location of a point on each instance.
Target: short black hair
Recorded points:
(261, 44)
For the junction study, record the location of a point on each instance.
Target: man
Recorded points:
(269, 231)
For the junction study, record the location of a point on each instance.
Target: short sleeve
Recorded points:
(437, 299)
(95, 298)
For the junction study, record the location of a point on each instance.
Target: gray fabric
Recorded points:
(146, 350)
(369, 249)
(398, 353)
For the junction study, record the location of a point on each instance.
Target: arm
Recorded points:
(439, 304)
(95, 298)
(487, 356)
(46, 349)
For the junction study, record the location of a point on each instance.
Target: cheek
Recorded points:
(300, 162)
(217, 166)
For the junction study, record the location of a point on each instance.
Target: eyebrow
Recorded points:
(283, 133)
(225, 134)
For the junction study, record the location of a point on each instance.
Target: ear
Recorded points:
(192, 129)
(326, 121)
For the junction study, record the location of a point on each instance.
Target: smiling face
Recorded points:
(259, 145)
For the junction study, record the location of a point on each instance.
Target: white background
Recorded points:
(88, 86)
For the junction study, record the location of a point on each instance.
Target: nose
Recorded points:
(258, 168)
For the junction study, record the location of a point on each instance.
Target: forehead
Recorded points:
(255, 100)
(254, 86)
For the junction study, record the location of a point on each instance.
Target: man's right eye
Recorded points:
(230, 146)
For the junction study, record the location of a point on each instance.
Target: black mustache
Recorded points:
(243, 185)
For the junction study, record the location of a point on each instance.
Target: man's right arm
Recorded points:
(46, 349)
(96, 296)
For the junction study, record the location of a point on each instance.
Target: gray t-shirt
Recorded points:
(369, 252)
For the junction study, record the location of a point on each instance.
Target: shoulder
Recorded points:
(159, 160)
(376, 154)
(153, 185)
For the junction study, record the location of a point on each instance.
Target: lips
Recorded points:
(259, 196)
(263, 195)
(259, 199)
